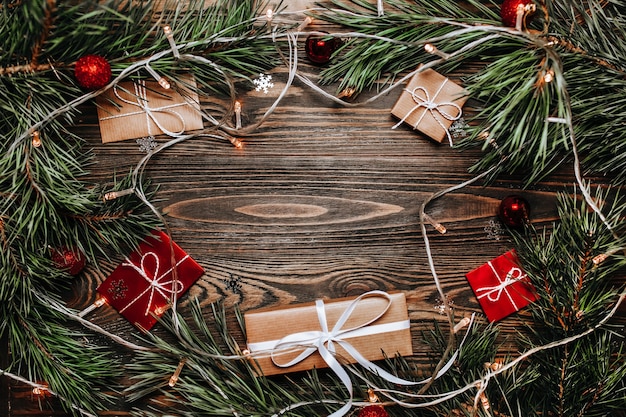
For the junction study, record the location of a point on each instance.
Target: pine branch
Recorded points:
(577, 46)
(586, 377)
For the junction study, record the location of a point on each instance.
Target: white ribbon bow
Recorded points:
(324, 341)
(141, 101)
(435, 109)
(155, 281)
(493, 293)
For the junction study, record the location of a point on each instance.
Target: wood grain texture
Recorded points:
(322, 202)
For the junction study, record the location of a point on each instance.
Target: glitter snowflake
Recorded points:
(233, 283)
(264, 82)
(440, 307)
(494, 230)
(146, 144)
(458, 130)
(118, 290)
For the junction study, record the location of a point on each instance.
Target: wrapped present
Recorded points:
(322, 334)
(501, 286)
(142, 286)
(137, 109)
(430, 103)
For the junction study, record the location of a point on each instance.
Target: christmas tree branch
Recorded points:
(46, 26)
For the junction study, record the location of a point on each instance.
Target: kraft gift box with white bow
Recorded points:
(137, 109)
(430, 103)
(315, 335)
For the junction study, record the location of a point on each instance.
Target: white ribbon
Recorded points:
(493, 293)
(323, 341)
(432, 107)
(141, 101)
(155, 283)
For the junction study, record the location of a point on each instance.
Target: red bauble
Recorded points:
(70, 259)
(92, 72)
(320, 49)
(508, 11)
(514, 211)
(373, 411)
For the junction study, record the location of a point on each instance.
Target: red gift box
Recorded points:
(142, 286)
(501, 286)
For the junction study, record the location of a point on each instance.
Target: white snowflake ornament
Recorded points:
(146, 144)
(264, 82)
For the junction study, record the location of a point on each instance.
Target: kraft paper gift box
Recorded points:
(389, 335)
(137, 109)
(430, 103)
(501, 286)
(142, 285)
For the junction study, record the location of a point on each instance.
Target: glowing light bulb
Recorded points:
(236, 142)
(170, 38)
(174, 378)
(306, 22)
(461, 324)
(161, 80)
(432, 49)
(237, 114)
(112, 195)
(36, 139)
(548, 76)
(438, 226)
(161, 309)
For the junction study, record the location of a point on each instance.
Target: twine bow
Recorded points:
(142, 102)
(156, 283)
(436, 110)
(493, 293)
(323, 341)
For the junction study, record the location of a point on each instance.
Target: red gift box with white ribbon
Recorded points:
(501, 286)
(141, 288)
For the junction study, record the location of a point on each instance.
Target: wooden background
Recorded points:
(322, 202)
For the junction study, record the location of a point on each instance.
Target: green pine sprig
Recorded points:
(46, 201)
(524, 118)
(585, 377)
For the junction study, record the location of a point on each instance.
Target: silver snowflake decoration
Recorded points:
(440, 307)
(494, 230)
(264, 82)
(233, 283)
(458, 130)
(146, 144)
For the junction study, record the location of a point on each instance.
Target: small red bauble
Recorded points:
(92, 72)
(373, 411)
(320, 49)
(70, 259)
(508, 11)
(514, 211)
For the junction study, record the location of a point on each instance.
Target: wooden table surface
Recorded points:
(322, 202)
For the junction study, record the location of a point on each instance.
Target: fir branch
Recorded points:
(574, 294)
(47, 23)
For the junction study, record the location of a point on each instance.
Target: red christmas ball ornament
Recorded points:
(510, 9)
(92, 72)
(319, 49)
(373, 411)
(514, 211)
(70, 259)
